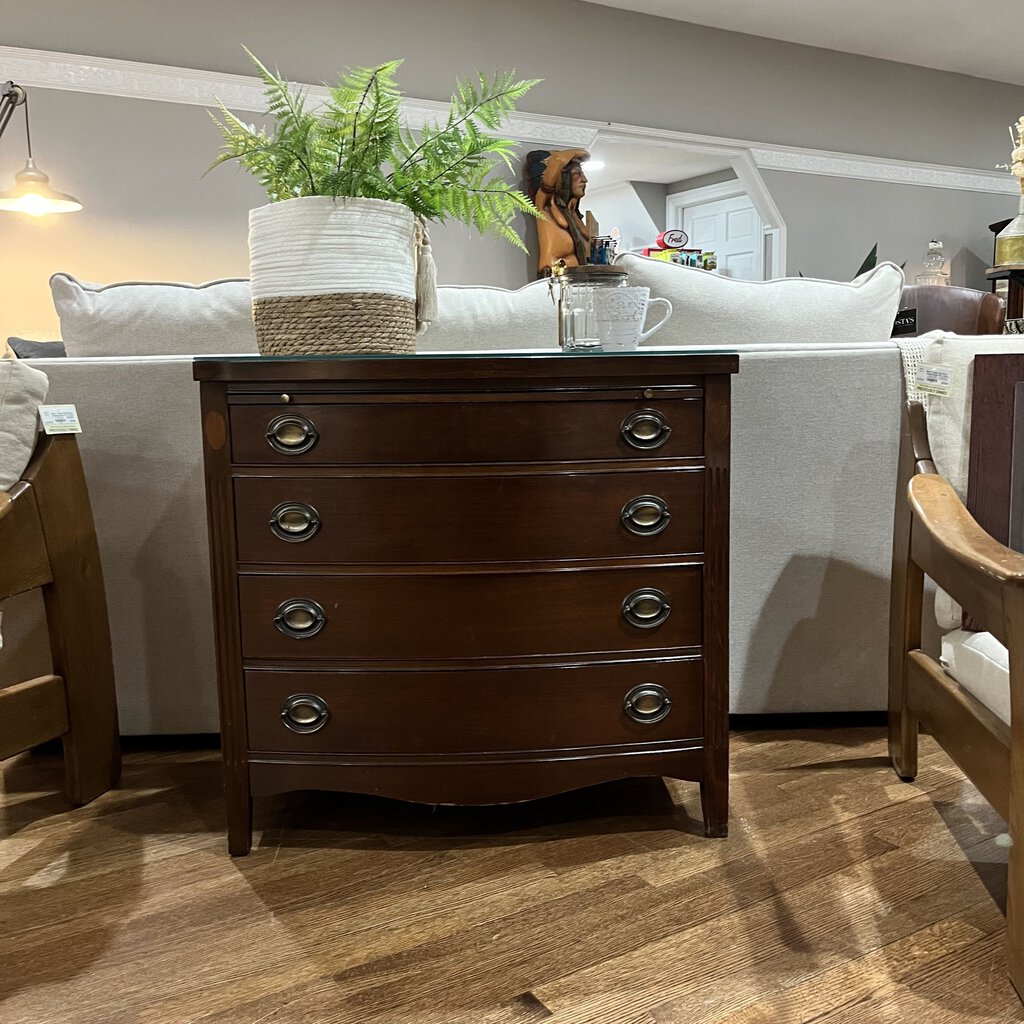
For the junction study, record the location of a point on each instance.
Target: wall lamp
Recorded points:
(31, 193)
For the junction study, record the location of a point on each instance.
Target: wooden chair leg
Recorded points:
(903, 726)
(1014, 630)
(905, 600)
(76, 612)
(1015, 919)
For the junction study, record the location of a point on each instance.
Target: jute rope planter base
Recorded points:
(333, 276)
(342, 323)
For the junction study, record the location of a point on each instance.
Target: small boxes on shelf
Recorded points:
(671, 247)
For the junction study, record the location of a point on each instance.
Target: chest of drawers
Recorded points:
(469, 579)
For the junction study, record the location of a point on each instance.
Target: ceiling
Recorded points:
(972, 37)
(627, 161)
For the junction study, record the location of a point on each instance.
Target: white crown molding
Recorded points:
(106, 77)
(705, 194)
(131, 79)
(894, 172)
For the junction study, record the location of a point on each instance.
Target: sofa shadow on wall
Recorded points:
(820, 636)
(806, 650)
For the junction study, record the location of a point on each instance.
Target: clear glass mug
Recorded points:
(574, 289)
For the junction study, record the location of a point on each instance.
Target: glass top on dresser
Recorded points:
(526, 353)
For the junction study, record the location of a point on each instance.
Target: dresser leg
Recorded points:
(714, 802)
(239, 808)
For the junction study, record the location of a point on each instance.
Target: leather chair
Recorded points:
(48, 542)
(948, 308)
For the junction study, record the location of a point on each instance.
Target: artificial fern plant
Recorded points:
(355, 145)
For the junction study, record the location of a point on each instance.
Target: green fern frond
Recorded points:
(356, 146)
(364, 112)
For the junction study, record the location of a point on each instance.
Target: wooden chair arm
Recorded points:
(938, 508)
(916, 426)
(969, 564)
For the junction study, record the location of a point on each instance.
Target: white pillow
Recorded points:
(949, 415)
(709, 309)
(981, 665)
(949, 420)
(150, 318)
(22, 391)
(478, 317)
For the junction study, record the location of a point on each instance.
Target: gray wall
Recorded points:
(833, 223)
(714, 178)
(137, 165)
(708, 81)
(652, 195)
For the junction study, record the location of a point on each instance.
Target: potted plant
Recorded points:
(333, 256)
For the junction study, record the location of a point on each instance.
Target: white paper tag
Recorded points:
(60, 419)
(934, 379)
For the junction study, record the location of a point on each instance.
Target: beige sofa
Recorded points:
(815, 433)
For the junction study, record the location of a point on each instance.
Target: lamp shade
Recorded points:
(32, 194)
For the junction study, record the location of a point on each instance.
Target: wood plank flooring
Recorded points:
(843, 896)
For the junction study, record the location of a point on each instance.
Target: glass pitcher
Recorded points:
(573, 289)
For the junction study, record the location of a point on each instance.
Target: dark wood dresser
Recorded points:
(469, 579)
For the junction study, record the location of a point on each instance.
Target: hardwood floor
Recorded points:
(842, 896)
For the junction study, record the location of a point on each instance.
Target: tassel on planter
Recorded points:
(426, 279)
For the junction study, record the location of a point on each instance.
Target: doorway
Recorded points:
(723, 219)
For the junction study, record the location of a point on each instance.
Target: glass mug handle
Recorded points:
(661, 323)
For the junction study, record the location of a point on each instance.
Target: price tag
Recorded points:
(60, 419)
(933, 379)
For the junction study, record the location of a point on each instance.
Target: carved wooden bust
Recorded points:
(556, 183)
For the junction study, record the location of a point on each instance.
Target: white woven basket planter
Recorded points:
(333, 276)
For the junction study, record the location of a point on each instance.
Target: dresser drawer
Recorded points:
(468, 615)
(474, 711)
(568, 428)
(469, 518)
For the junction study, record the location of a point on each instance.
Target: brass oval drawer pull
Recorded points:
(645, 429)
(646, 608)
(647, 703)
(291, 434)
(305, 712)
(300, 618)
(294, 521)
(645, 515)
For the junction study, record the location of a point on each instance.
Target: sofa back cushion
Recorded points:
(154, 318)
(478, 317)
(709, 309)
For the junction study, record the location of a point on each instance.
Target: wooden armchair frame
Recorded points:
(48, 542)
(934, 535)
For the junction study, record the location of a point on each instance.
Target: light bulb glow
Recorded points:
(32, 195)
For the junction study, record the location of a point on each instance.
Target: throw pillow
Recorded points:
(22, 391)
(949, 415)
(709, 309)
(150, 318)
(478, 317)
(25, 349)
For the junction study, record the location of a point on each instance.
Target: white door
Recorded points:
(731, 229)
